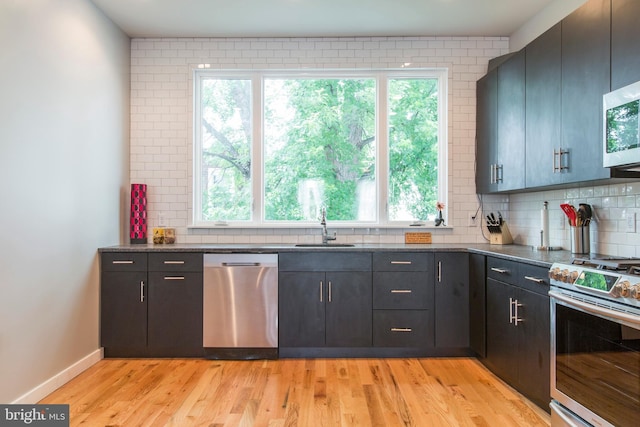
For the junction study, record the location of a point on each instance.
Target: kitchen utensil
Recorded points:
(588, 212)
(570, 212)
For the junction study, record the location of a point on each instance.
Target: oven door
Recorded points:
(595, 361)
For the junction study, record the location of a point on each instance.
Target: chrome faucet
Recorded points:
(325, 234)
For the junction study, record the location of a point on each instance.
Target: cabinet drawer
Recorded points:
(400, 290)
(175, 261)
(402, 261)
(534, 278)
(502, 270)
(321, 261)
(123, 261)
(401, 328)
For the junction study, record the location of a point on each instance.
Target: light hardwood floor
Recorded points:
(293, 392)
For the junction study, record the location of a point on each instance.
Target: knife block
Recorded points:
(502, 237)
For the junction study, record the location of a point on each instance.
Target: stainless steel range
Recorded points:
(595, 342)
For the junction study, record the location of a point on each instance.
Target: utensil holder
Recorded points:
(580, 240)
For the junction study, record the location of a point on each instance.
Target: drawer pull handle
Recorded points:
(174, 262)
(400, 329)
(534, 279)
(499, 270)
(401, 262)
(141, 291)
(122, 262)
(173, 277)
(401, 291)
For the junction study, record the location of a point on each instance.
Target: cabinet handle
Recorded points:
(499, 270)
(439, 271)
(559, 166)
(321, 291)
(400, 329)
(329, 290)
(174, 262)
(122, 262)
(492, 174)
(142, 291)
(513, 311)
(173, 277)
(534, 279)
(401, 262)
(401, 291)
(499, 173)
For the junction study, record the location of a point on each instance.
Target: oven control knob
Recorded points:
(554, 273)
(634, 292)
(564, 275)
(622, 289)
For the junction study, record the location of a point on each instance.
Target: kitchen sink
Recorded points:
(325, 245)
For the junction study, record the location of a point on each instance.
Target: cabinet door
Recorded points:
(452, 300)
(502, 338)
(625, 49)
(534, 347)
(123, 309)
(511, 123)
(486, 131)
(301, 305)
(585, 79)
(175, 310)
(349, 309)
(477, 304)
(543, 115)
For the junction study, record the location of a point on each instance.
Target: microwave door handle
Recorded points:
(599, 311)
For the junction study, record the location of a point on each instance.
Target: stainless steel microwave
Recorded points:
(621, 128)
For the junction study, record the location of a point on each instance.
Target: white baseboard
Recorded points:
(49, 386)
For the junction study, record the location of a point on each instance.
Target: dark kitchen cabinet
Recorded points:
(151, 313)
(518, 327)
(500, 133)
(321, 306)
(477, 304)
(452, 300)
(123, 300)
(625, 49)
(403, 298)
(585, 79)
(175, 302)
(543, 109)
(486, 132)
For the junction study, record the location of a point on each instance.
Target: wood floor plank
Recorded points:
(294, 393)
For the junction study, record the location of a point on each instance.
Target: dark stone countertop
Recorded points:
(519, 253)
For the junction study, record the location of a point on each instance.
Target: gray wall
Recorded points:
(64, 145)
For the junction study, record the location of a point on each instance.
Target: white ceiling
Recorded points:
(319, 18)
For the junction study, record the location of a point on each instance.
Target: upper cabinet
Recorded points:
(539, 114)
(625, 49)
(500, 127)
(543, 101)
(585, 79)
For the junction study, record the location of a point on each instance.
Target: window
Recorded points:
(275, 148)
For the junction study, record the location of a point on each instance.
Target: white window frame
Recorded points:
(382, 143)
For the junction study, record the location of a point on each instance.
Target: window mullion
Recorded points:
(382, 162)
(257, 148)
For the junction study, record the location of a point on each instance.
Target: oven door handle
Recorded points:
(594, 309)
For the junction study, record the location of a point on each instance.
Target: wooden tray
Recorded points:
(417, 237)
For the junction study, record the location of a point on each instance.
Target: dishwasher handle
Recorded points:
(241, 264)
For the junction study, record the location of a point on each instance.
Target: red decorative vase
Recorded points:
(138, 220)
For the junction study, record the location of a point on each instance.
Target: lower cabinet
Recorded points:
(403, 300)
(518, 328)
(151, 304)
(451, 300)
(324, 299)
(319, 309)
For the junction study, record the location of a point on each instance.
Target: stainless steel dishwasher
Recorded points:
(240, 306)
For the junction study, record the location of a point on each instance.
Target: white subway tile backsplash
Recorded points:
(161, 122)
